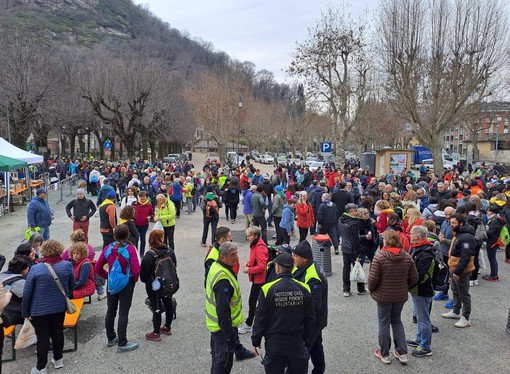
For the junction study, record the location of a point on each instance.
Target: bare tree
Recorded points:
(333, 65)
(440, 56)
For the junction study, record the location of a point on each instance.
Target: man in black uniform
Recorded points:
(286, 319)
(311, 274)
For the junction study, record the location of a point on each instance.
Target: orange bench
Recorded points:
(11, 332)
(70, 322)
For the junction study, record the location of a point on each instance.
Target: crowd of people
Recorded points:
(402, 225)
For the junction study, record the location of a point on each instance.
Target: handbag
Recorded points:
(26, 336)
(70, 307)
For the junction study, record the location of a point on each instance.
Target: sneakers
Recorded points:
(129, 346)
(112, 342)
(421, 352)
(475, 282)
(451, 315)
(449, 304)
(337, 252)
(203, 245)
(440, 296)
(101, 296)
(471, 283)
(491, 279)
(378, 354)
(36, 371)
(244, 328)
(58, 364)
(401, 357)
(435, 328)
(412, 343)
(152, 336)
(233, 221)
(165, 330)
(364, 292)
(245, 355)
(347, 293)
(463, 322)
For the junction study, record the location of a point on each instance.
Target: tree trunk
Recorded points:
(437, 156)
(72, 143)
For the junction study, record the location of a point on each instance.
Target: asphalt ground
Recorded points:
(350, 338)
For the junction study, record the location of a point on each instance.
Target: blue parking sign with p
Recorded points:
(326, 147)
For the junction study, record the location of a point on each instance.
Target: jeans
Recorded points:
(107, 238)
(156, 316)
(222, 354)
(49, 326)
(461, 296)
(252, 302)
(350, 261)
(189, 204)
(84, 225)
(122, 301)
(491, 255)
(214, 224)
(169, 236)
(279, 237)
(445, 292)
(270, 212)
(422, 306)
(389, 316)
(303, 233)
(233, 210)
(474, 274)
(45, 232)
(227, 209)
(143, 232)
(317, 355)
(331, 231)
(285, 235)
(261, 222)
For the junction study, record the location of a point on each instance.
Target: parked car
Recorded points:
(314, 165)
(281, 160)
(266, 159)
(170, 160)
(213, 157)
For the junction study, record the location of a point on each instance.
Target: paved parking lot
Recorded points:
(349, 340)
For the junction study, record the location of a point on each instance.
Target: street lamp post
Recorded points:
(497, 140)
(239, 128)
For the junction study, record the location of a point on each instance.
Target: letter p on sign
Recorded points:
(326, 147)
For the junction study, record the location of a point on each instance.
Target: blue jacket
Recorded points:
(39, 213)
(447, 232)
(41, 295)
(177, 192)
(287, 221)
(247, 209)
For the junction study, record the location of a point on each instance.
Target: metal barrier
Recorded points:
(68, 184)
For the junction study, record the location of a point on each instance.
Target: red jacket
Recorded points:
(257, 264)
(331, 179)
(142, 212)
(305, 217)
(382, 222)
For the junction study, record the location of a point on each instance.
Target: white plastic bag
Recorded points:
(357, 273)
(158, 226)
(26, 336)
(481, 259)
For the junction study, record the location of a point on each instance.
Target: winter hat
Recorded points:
(40, 191)
(111, 194)
(265, 176)
(285, 248)
(278, 189)
(303, 249)
(285, 260)
(80, 191)
(209, 196)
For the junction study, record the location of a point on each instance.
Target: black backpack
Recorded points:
(11, 315)
(166, 272)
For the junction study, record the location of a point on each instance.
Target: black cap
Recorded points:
(303, 249)
(285, 260)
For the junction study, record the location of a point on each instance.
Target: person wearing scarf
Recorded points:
(391, 275)
(45, 305)
(144, 212)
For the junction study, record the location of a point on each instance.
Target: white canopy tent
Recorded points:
(9, 150)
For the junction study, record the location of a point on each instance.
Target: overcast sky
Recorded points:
(264, 32)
